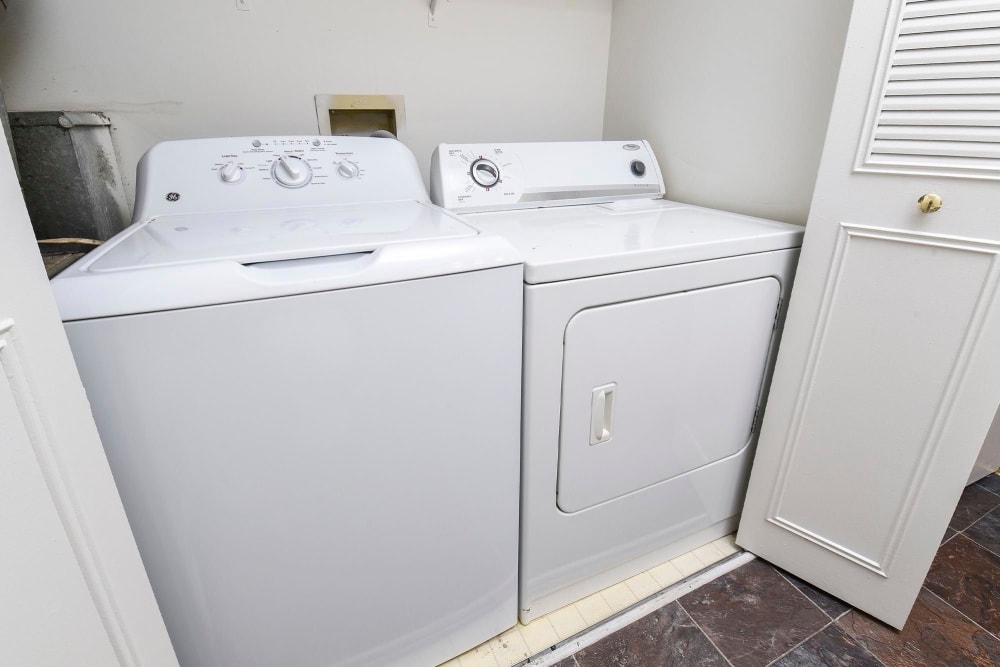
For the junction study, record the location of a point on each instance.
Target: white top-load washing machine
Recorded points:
(306, 378)
(650, 330)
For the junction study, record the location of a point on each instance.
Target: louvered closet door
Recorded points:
(939, 109)
(888, 375)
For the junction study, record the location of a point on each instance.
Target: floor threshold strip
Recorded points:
(629, 615)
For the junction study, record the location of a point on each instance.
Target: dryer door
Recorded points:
(658, 387)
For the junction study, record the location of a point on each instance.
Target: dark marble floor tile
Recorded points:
(976, 502)
(986, 531)
(566, 662)
(831, 647)
(833, 607)
(667, 637)
(967, 577)
(990, 483)
(948, 534)
(934, 636)
(753, 614)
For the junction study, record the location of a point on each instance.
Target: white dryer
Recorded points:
(307, 381)
(650, 331)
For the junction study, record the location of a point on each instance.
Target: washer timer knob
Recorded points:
(291, 171)
(231, 172)
(348, 169)
(485, 173)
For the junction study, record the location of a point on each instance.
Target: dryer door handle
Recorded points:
(602, 413)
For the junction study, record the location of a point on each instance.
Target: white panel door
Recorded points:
(889, 373)
(74, 589)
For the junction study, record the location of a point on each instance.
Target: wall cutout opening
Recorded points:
(360, 115)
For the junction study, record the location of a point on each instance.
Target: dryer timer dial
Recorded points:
(485, 173)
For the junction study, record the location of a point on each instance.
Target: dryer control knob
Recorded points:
(348, 169)
(231, 173)
(485, 173)
(291, 171)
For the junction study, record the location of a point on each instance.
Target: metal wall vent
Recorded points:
(69, 174)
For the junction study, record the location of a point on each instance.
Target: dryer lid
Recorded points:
(564, 243)
(249, 237)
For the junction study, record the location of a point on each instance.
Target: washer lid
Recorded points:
(564, 243)
(250, 237)
(187, 261)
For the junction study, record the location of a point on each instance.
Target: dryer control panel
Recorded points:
(249, 173)
(498, 177)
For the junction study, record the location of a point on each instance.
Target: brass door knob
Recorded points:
(929, 203)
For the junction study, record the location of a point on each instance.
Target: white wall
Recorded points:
(734, 96)
(499, 70)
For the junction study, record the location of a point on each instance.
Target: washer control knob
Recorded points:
(291, 171)
(348, 169)
(231, 172)
(638, 168)
(485, 173)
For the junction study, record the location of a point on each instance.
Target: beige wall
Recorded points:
(734, 96)
(499, 70)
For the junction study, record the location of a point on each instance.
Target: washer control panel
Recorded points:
(496, 177)
(244, 173)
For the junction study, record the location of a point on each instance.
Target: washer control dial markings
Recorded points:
(231, 172)
(348, 169)
(291, 171)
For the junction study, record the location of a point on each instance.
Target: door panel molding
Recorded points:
(828, 544)
(881, 559)
(15, 377)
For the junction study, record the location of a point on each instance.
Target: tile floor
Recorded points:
(523, 641)
(757, 615)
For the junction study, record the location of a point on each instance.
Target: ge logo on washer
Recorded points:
(173, 196)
